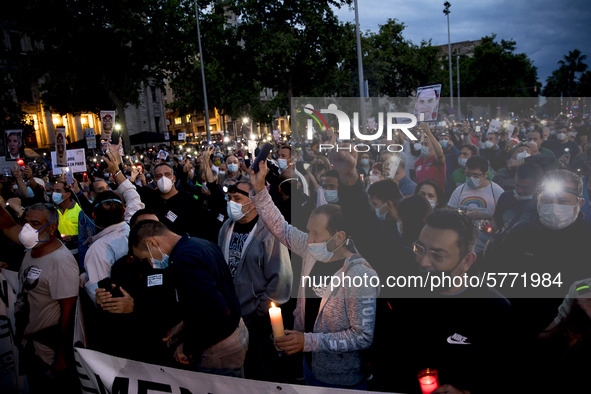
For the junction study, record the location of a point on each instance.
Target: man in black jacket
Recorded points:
(212, 336)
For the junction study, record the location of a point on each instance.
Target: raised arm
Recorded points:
(8, 226)
(294, 239)
(434, 143)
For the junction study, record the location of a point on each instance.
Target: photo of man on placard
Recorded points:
(107, 123)
(60, 147)
(13, 145)
(427, 103)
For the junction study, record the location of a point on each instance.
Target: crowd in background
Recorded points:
(174, 255)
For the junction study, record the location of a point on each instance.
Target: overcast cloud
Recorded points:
(545, 30)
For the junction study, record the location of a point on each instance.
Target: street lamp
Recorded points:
(207, 130)
(446, 11)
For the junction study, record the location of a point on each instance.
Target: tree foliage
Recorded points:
(564, 82)
(92, 55)
(497, 71)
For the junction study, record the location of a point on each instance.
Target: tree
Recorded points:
(497, 71)
(297, 46)
(395, 66)
(572, 64)
(228, 68)
(94, 55)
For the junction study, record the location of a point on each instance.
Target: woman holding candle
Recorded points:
(333, 321)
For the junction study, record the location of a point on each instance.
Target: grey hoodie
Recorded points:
(346, 318)
(264, 273)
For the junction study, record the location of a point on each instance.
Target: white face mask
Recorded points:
(282, 164)
(233, 167)
(432, 203)
(522, 155)
(320, 252)
(489, 144)
(462, 161)
(331, 196)
(164, 184)
(235, 211)
(561, 136)
(557, 216)
(29, 237)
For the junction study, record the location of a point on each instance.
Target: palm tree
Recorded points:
(573, 63)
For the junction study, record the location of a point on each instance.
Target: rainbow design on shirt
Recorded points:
(474, 202)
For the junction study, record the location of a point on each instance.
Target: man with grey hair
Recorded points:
(44, 308)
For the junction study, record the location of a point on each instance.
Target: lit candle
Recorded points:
(428, 380)
(276, 321)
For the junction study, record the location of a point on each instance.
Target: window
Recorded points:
(178, 120)
(188, 118)
(157, 123)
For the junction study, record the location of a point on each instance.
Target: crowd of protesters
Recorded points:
(176, 253)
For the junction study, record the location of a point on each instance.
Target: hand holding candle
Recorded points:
(428, 380)
(276, 321)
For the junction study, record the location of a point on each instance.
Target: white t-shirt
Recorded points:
(44, 281)
(482, 200)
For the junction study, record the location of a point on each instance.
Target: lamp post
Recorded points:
(458, 71)
(207, 131)
(446, 11)
(360, 69)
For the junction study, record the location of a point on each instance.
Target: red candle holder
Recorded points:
(428, 380)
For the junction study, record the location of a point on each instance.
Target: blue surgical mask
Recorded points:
(473, 183)
(424, 151)
(364, 162)
(233, 167)
(462, 161)
(30, 192)
(444, 143)
(57, 198)
(158, 264)
(522, 198)
(331, 196)
(379, 214)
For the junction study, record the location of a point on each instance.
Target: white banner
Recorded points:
(10, 381)
(76, 161)
(182, 136)
(99, 372)
(90, 138)
(495, 126)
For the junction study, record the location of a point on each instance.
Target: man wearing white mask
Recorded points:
(181, 212)
(561, 145)
(44, 308)
(332, 324)
(261, 272)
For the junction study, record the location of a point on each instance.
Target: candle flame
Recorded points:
(273, 305)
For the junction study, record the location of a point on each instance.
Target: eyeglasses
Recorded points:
(421, 251)
(468, 175)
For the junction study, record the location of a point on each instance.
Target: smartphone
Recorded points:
(84, 177)
(69, 175)
(21, 163)
(106, 284)
(263, 154)
(139, 168)
(115, 136)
